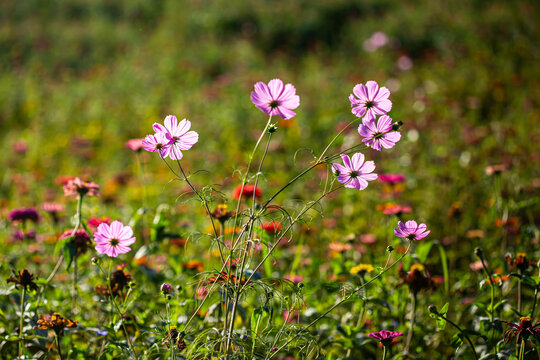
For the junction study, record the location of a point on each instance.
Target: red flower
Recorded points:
(272, 227)
(247, 192)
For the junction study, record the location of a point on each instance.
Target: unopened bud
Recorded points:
(478, 252)
(433, 309)
(389, 248)
(272, 128)
(95, 260)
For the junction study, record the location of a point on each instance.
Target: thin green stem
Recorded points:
(384, 353)
(412, 323)
(21, 322)
(58, 346)
(169, 328)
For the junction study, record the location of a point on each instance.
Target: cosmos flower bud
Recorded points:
(272, 128)
(95, 260)
(478, 252)
(389, 248)
(433, 309)
(166, 288)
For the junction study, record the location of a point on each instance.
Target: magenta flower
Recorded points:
(179, 135)
(23, 214)
(411, 230)
(113, 239)
(356, 173)
(276, 99)
(166, 288)
(378, 134)
(385, 336)
(370, 100)
(392, 178)
(158, 143)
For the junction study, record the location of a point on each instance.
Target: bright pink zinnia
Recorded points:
(356, 173)
(385, 336)
(113, 239)
(276, 99)
(179, 135)
(411, 230)
(378, 134)
(157, 143)
(370, 100)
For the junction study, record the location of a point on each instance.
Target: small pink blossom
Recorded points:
(391, 178)
(113, 239)
(179, 135)
(370, 100)
(411, 230)
(276, 99)
(135, 144)
(378, 134)
(356, 173)
(80, 188)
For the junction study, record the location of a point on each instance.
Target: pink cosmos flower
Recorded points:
(370, 100)
(80, 188)
(113, 239)
(411, 230)
(135, 144)
(378, 134)
(356, 173)
(276, 99)
(385, 336)
(179, 135)
(157, 143)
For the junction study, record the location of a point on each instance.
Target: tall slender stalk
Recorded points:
(412, 322)
(21, 322)
(58, 346)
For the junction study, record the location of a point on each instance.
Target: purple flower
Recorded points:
(113, 239)
(276, 99)
(370, 100)
(411, 230)
(356, 173)
(165, 288)
(23, 214)
(385, 336)
(179, 135)
(157, 143)
(378, 134)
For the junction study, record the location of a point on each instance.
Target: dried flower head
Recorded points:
(24, 279)
(81, 241)
(120, 281)
(221, 213)
(174, 337)
(416, 278)
(523, 330)
(55, 322)
(520, 262)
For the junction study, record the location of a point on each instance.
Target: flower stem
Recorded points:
(522, 350)
(384, 353)
(21, 323)
(58, 346)
(412, 323)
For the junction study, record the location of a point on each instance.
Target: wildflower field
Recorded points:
(254, 180)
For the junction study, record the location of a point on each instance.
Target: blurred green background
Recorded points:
(78, 78)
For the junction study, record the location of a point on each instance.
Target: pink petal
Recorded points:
(276, 88)
(384, 105)
(372, 89)
(262, 91)
(127, 242)
(383, 94)
(369, 177)
(384, 123)
(361, 92)
(159, 128)
(183, 127)
(285, 113)
(393, 136)
(187, 140)
(357, 161)
(364, 131)
(122, 249)
(171, 124)
(175, 153)
(339, 168)
(359, 110)
(346, 161)
(411, 226)
(423, 235)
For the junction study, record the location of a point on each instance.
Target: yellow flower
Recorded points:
(417, 267)
(362, 268)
